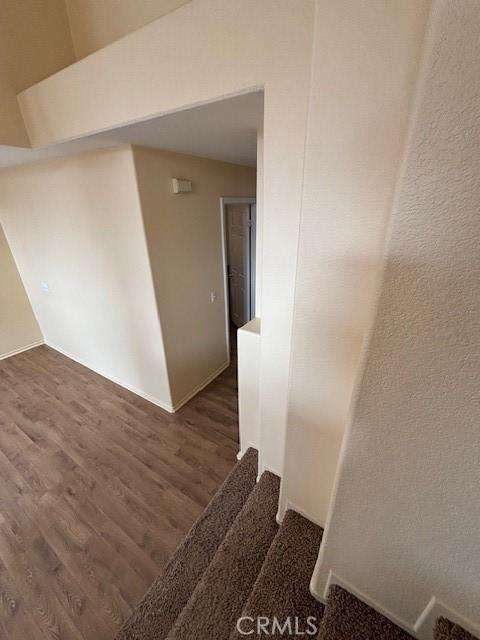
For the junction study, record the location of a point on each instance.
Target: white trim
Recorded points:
(335, 579)
(200, 386)
(223, 227)
(425, 623)
(293, 507)
(265, 467)
(32, 345)
(242, 452)
(146, 396)
(224, 200)
(252, 263)
(121, 383)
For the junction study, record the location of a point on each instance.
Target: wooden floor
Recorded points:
(97, 488)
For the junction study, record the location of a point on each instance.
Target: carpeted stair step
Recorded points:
(154, 616)
(348, 618)
(447, 630)
(281, 592)
(213, 609)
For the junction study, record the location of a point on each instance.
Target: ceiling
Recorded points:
(224, 130)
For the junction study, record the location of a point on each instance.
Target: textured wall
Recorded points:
(356, 136)
(405, 523)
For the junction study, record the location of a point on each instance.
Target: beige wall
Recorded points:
(405, 522)
(184, 239)
(208, 49)
(357, 130)
(76, 225)
(35, 42)
(96, 23)
(18, 326)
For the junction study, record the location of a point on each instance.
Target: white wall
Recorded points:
(205, 50)
(249, 349)
(96, 23)
(405, 522)
(76, 224)
(359, 107)
(184, 237)
(18, 327)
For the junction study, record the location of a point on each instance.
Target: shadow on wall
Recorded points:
(332, 324)
(411, 466)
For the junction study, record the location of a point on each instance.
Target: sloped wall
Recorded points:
(96, 23)
(35, 42)
(18, 326)
(405, 520)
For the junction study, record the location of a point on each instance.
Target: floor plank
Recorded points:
(97, 488)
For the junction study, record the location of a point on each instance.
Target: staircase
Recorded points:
(238, 574)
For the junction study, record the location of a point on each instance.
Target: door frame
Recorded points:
(224, 200)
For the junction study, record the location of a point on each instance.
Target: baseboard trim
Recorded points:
(435, 609)
(15, 352)
(303, 512)
(121, 383)
(425, 623)
(333, 578)
(159, 403)
(178, 405)
(266, 467)
(242, 452)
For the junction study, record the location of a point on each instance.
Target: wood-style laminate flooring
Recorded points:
(97, 488)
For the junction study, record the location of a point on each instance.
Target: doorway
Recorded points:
(239, 225)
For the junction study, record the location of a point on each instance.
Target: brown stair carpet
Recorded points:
(348, 618)
(155, 614)
(281, 592)
(446, 630)
(212, 611)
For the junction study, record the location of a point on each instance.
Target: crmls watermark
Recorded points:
(290, 626)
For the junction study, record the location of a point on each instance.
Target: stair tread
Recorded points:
(348, 618)
(216, 603)
(447, 630)
(155, 615)
(281, 590)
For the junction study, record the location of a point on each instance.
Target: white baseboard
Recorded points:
(435, 609)
(146, 396)
(242, 452)
(178, 405)
(336, 579)
(425, 623)
(291, 505)
(121, 383)
(32, 345)
(266, 467)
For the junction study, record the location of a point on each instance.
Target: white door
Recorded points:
(238, 250)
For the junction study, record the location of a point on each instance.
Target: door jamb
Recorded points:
(224, 200)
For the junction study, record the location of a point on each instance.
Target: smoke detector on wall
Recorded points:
(181, 185)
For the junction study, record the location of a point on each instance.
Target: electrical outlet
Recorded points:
(213, 296)
(44, 287)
